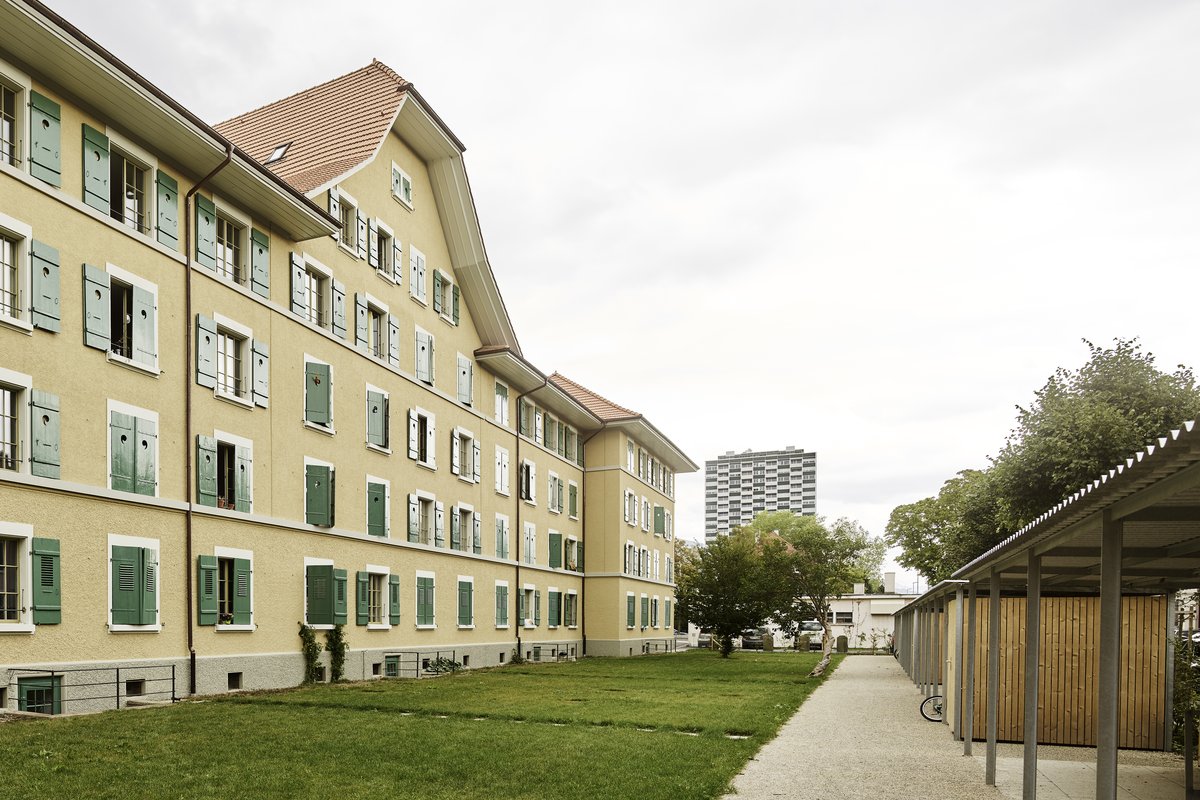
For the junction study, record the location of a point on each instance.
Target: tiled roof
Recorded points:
(602, 407)
(329, 129)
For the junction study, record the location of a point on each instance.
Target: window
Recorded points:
(11, 404)
(464, 455)
(416, 278)
(530, 606)
(425, 600)
(501, 536)
(629, 609)
(318, 492)
(571, 609)
(10, 145)
(316, 296)
(30, 579)
(324, 594)
(630, 458)
(573, 500)
(231, 363)
(466, 380)
(383, 251)
(426, 520)
(230, 247)
(464, 529)
(553, 607)
(670, 570)
(424, 357)
(501, 414)
(133, 583)
(643, 563)
(843, 618)
(224, 471)
(127, 191)
(445, 296)
(278, 153)
(12, 273)
(225, 588)
(645, 612)
(654, 612)
(41, 694)
(422, 431)
(230, 379)
(530, 543)
(555, 550)
(645, 514)
(556, 494)
(378, 506)
(466, 602)
(378, 418)
(402, 188)
(133, 449)
(630, 559)
(641, 463)
(501, 604)
(631, 507)
(502, 471)
(377, 332)
(120, 315)
(318, 394)
(353, 234)
(550, 428)
(571, 554)
(377, 598)
(527, 475)
(29, 418)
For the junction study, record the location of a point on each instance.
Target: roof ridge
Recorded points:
(375, 64)
(558, 377)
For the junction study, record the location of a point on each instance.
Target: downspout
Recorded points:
(188, 448)
(583, 540)
(520, 502)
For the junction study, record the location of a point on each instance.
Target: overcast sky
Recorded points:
(865, 229)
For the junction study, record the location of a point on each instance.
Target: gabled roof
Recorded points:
(329, 129)
(619, 416)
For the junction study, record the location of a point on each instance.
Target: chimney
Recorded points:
(860, 588)
(889, 583)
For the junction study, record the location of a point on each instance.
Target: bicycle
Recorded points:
(931, 708)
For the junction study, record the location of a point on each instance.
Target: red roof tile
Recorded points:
(602, 407)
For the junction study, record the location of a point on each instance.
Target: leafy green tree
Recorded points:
(815, 564)
(725, 588)
(939, 534)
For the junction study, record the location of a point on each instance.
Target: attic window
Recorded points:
(278, 153)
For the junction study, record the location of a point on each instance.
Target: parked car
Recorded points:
(752, 640)
(704, 640)
(813, 630)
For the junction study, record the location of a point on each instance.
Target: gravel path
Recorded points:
(860, 735)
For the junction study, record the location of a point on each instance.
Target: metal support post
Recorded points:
(956, 720)
(1033, 640)
(993, 676)
(969, 700)
(1108, 688)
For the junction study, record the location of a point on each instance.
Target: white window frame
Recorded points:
(430, 498)
(503, 472)
(448, 284)
(385, 595)
(423, 573)
(505, 625)
(245, 336)
(135, 280)
(223, 437)
(387, 504)
(471, 580)
(309, 561)
(417, 274)
(387, 421)
(501, 410)
(528, 621)
(573, 546)
(324, 274)
(466, 460)
(387, 265)
(232, 552)
(654, 612)
(552, 485)
(404, 176)
(629, 562)
(140, 413)
(571, 593)
(374, 304)
(23, 533)
(645, 513)
(347, 201)
(22, 387)
(23, 233)
(644, 562)
(238, 217)
(531, 471)
(312, 426)
(20, 82)
(430, 461)
(149, 162)
(529, 544)
(630, 505)
(121, 540)
(466, 534)
(631, 459)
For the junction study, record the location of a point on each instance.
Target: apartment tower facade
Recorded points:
(737, 486)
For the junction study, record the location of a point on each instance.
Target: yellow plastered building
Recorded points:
(260, 375)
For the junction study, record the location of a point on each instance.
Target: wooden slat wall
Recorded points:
(1070, 664)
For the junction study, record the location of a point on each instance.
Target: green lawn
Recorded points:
(650, 727)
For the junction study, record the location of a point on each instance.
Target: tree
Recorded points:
(725, 587)
(1081, 424)
(814, 563)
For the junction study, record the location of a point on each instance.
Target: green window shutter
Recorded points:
(242, 578)
(122, 447)
(668, 618)
(475, 454)
(579, 557)
(629, 611)
(424, 601)
(167, 191)
(95, 169)
(372, 244)
(455, 529)
(437, 291)
(148, 613)
(377, 509)
(439, 524)
(206, 232)
(559, 490)
(361, 238)
(206, 590)
(260, 263)
(455, 293)
(555, 550)
(206, 471)
(660, 520)
(46, 314)
(338, 303)
(376, 419)
(523, 418)
(335, 211)
(318, 490)
(573, 500)
(393, 340)
(339, 596)
(455, 465)
(554, 602)
(298, 274)
(579, 454)
(414, 518)
(45, 139)
(95, 307)
(261, 369)
(319, 610)
(241, 486)
(476, 535)
(413, 432)
(145, 452)
(126, 573)
(393, 599)
(520, 607)
(645, 612)
(362, 605)
(47, 582)
(145, 350)
(360, 321)
(537, 607)
(318, 390)
(464, 602)
(45, 459)
(206, 352)
(501, 605)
